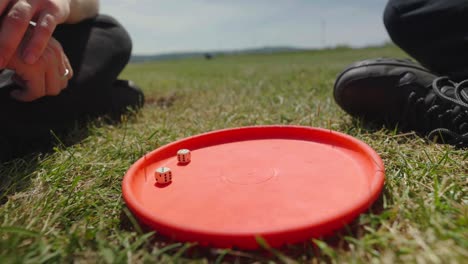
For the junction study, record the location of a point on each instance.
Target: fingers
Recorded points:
(47, 15)
(53, 84)
(67, 65)
(46, 77)
(64, 66)
(3, 5)
(13, 27)
(41, 34)
(34, 88)
(66, 62)
(57, 75)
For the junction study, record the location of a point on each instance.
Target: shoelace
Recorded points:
(460, 99)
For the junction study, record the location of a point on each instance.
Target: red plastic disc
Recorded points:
(285, 184)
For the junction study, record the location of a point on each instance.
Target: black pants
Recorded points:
(98, 50)
(434, 32)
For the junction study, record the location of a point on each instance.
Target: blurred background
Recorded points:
(165, 26)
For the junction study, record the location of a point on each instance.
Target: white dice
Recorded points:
(163, 175)
(183, 156)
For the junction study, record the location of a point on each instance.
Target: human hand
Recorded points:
(14, 23)
(49, 75)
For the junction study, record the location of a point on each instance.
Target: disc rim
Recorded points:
(245, 239)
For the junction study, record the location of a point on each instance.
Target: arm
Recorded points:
(81, 10)
(48, 76)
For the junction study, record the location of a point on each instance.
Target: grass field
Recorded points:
(67, 206)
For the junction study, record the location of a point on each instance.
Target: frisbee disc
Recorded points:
(285, 184)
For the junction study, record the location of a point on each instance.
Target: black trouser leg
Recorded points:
(434, 32)
(98, 50)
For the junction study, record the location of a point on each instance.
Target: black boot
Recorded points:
(402, 94)
(126, 96)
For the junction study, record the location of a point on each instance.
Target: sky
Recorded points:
(163, 26)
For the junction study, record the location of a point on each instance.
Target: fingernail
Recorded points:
(29, 57)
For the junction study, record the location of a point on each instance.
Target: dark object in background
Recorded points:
(208, 56)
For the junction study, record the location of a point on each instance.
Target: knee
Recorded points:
(118, 38)
(393, 21)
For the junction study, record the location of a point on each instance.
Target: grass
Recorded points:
(66, 206)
